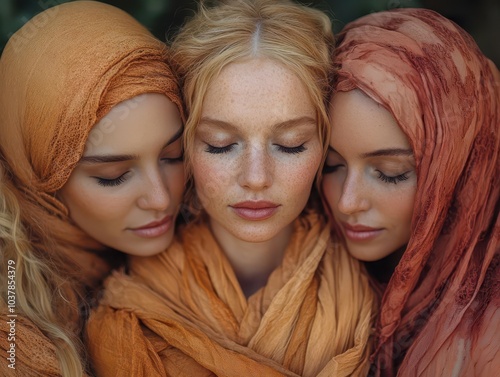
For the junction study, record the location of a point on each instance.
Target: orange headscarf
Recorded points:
(59, 75)
(440, 310)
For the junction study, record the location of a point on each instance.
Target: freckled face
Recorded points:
(369, 177)
(126, 189)
(256, 150)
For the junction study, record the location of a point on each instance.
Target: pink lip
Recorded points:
(359, 232)
(255, 210)
(154, 228)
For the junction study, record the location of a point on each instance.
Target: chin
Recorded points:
(255, 235)
(148, 248)
(365, 255)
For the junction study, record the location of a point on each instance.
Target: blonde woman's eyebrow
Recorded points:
(289, 123)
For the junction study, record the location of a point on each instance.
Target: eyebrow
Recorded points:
(278, 126)
(99, 159)
(389, 152)
(383, 152)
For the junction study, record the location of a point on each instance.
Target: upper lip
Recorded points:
(358, 227)
(259, 204)
(154, 224)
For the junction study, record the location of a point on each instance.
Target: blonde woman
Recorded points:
(253, 286)
(90, 125)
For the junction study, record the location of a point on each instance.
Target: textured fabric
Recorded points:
(183, 313)
(440, 312)
(35, 355)
(59, 75)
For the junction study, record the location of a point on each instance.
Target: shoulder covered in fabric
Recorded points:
(24, 350)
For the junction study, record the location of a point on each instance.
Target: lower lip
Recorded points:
(153, 232)
(255, 214)
(358, 236)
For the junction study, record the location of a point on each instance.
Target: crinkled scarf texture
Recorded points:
(59, 75)
(183, 313)
(440, 311)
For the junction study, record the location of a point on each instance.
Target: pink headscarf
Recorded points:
(441, 305)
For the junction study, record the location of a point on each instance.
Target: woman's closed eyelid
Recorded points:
(111, 182)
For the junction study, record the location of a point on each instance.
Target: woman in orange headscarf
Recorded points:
(412, 179)
(254, 286)
(90, 126)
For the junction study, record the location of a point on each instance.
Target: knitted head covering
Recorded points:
(444, 94)
(59, 75)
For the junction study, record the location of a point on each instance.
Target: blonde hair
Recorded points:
(294, 35)
(38, 288)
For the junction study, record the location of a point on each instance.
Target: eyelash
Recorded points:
(395, 179)
(228, 148)
(292, 150)
(111, 182)
(174, 160)
(219, 150)
(384, 178)
(329, 168)
(118, 181)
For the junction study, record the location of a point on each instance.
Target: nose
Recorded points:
(154, 192)
(354, 196)
(256, 171)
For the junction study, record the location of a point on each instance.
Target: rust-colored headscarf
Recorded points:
(59, 75)
(183, 313)
(440, 311)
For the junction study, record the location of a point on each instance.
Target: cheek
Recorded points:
(211, 176)
(174, 180)
(90, 205)
(407, 206)
(398, 205)
(327, 186)
(298, 176)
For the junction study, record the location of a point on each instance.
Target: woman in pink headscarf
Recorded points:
(412, 178)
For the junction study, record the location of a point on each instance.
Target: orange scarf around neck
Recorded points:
(183, 313)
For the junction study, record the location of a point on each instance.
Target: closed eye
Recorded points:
(393, 179)
(291, 150)
(330, 168)
(111, 182)
(173, 160)
(219, 150)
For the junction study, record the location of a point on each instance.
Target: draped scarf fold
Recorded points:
(183, 313)
(442, 305)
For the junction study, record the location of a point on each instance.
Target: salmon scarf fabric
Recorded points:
(440, 312)
(183, 313)
(59, 75)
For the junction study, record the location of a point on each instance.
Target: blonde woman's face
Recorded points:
(126, 190)
(369, 177)
(256, 150)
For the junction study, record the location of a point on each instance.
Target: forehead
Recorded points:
(132, 125)
(359, 123)
(256, 91)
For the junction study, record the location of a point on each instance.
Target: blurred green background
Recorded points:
(481, 18)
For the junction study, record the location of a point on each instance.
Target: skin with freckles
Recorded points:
(126, 190)
(257, 140)
(369, 178)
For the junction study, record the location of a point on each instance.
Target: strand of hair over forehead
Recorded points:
(258, 7)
